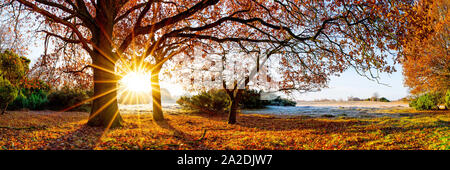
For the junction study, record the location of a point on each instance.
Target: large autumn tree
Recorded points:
(109, 31)
(113, 31)
(322, 39)
(425, 52)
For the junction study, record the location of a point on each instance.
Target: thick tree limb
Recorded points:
(139, 30)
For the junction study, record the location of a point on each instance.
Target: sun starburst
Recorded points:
(136, 82)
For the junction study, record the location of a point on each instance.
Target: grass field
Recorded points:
(53, 130)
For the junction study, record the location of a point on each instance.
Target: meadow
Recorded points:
(182, 130)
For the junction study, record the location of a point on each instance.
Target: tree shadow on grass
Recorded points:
(286, 123)
(273, 123)
(401, 129)
(83, 138)
(186, 139)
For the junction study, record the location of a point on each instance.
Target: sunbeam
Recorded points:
(104, 106)
(90, 99)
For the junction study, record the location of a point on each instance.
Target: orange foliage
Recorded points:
(426, 55)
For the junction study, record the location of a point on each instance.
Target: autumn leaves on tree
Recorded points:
(313, 39)
(425, 52)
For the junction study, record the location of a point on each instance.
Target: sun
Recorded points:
(137, 82)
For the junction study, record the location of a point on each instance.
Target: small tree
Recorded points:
(12, 72)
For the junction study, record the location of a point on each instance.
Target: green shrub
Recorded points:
(37, 101)
(282, 102)
(212, 101)
(427, 101)
(30, 98)
(67, 97)
(251, 99)
(7, 93)
(383, 99)
(19, 102)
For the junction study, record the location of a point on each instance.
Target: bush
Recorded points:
(67, 97)
(33, 98)
(251, 99)
(7, 93)
(34, 101)
(40, 99)
(19, 102)
(282, 102)
(37, 101)
(212, 101)
(383, 99)
(427, 101)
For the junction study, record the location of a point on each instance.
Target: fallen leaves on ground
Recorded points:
(54, 130)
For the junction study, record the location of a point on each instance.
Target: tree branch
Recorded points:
(58, 20)
(78, 71)
(65, 39)
(139, 30)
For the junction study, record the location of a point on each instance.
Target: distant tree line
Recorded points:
(375, 98)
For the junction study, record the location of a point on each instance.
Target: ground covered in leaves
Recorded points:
(53, 130)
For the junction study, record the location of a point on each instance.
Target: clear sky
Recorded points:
(352, 84)
(348, 84)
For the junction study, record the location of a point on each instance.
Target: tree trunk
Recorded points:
(105, 110)
(156, 96)
(4, 109)
(232, 112)
(234, 99)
